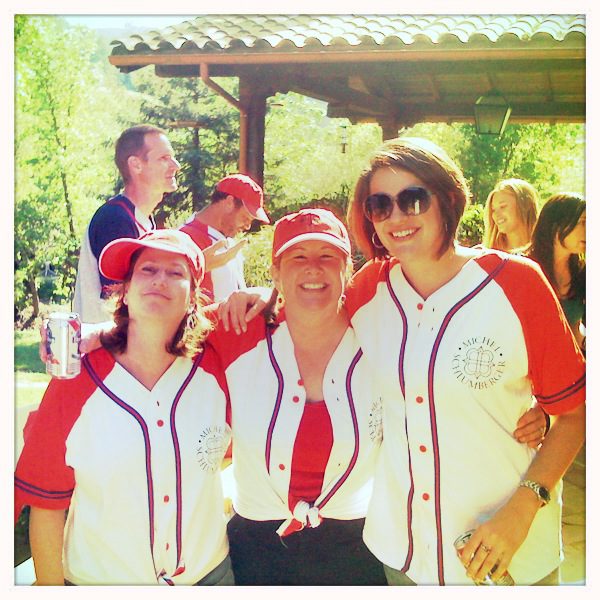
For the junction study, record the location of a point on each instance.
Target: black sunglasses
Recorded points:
(411, 201)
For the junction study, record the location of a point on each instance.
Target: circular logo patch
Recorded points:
(376, 420)
(211, 448)
(478, 363)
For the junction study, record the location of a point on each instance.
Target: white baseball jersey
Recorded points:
(138, 469)
(458, 369)
(220, 282)
(267, 403)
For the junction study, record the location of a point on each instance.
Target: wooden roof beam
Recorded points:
(339, 94)
(138, 60)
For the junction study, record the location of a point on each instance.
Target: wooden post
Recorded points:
(389, 129)
(253, 98)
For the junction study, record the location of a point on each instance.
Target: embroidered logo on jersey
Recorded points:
(376, 420)
(478, 363)
(211, 448)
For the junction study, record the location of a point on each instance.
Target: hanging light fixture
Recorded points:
(344, 137)
(491, 113)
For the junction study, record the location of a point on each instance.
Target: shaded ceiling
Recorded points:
(377, 68)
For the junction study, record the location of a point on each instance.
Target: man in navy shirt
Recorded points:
(145, 159)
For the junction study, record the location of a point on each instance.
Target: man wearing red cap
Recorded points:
(236, 201)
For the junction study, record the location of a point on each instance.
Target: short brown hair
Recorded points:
(132, 143)
(432, 166)
(189, 337)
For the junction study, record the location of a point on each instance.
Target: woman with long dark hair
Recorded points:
(558, 245)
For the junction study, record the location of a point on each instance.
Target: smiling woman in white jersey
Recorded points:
(306, 420)
(461, 341)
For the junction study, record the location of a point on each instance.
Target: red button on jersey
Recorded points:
(420, 306)
(300, 382)
(422, 449)
(419, 399)
(160, 422)
(166, 498)
(295, 399)
(425, 496)
(282, 467)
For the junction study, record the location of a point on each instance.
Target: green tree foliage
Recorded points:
(471, 226)
(207, 152)
(550, 157)
(304, 160)
(71, 105)
(63, 149)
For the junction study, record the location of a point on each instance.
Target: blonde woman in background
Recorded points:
(510, 215)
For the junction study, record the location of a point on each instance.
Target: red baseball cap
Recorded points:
(310, 224)
(248, 191)
(116, 256)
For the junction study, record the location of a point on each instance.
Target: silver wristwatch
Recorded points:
(540, 491)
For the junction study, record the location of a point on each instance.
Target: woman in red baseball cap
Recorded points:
(133, 445)
(306, 420)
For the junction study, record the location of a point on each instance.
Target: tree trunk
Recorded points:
(35, 299)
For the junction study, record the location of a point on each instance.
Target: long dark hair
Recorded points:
(558, 217)
(190, 334)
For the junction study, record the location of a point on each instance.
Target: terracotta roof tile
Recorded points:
(229, 32)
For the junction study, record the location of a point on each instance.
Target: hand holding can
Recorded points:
(63, 334)
(504, 579)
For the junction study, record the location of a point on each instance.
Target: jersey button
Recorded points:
(160, 422)
(282, 467)
(420, 306)
(300, 382)
(419, 399)
(425, 496)
(295, 399)
(166, 499)
(422, 449)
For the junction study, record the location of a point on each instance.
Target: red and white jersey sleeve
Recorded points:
(267, 401)
(458, 369)
(138, 469)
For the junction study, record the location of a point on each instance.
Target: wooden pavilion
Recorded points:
(395, 70)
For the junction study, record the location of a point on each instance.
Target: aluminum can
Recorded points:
(63, 334)
(461, 541)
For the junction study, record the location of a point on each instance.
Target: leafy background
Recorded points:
(71, 105)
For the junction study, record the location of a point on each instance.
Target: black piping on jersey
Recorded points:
(411, 492)
(280, 385)
(436, 450)
(148, 451)
(430, 389)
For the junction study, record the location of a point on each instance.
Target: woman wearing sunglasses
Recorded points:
(461, 340)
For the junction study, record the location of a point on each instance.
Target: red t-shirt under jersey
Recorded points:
(311, 453)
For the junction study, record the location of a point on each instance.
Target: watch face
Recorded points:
(544, 494)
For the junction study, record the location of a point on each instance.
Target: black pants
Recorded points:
(331, 554)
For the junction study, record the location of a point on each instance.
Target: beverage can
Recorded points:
(506, 579)
(63, 334)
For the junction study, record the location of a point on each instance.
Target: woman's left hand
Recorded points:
(531, 427)
(493, 544)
